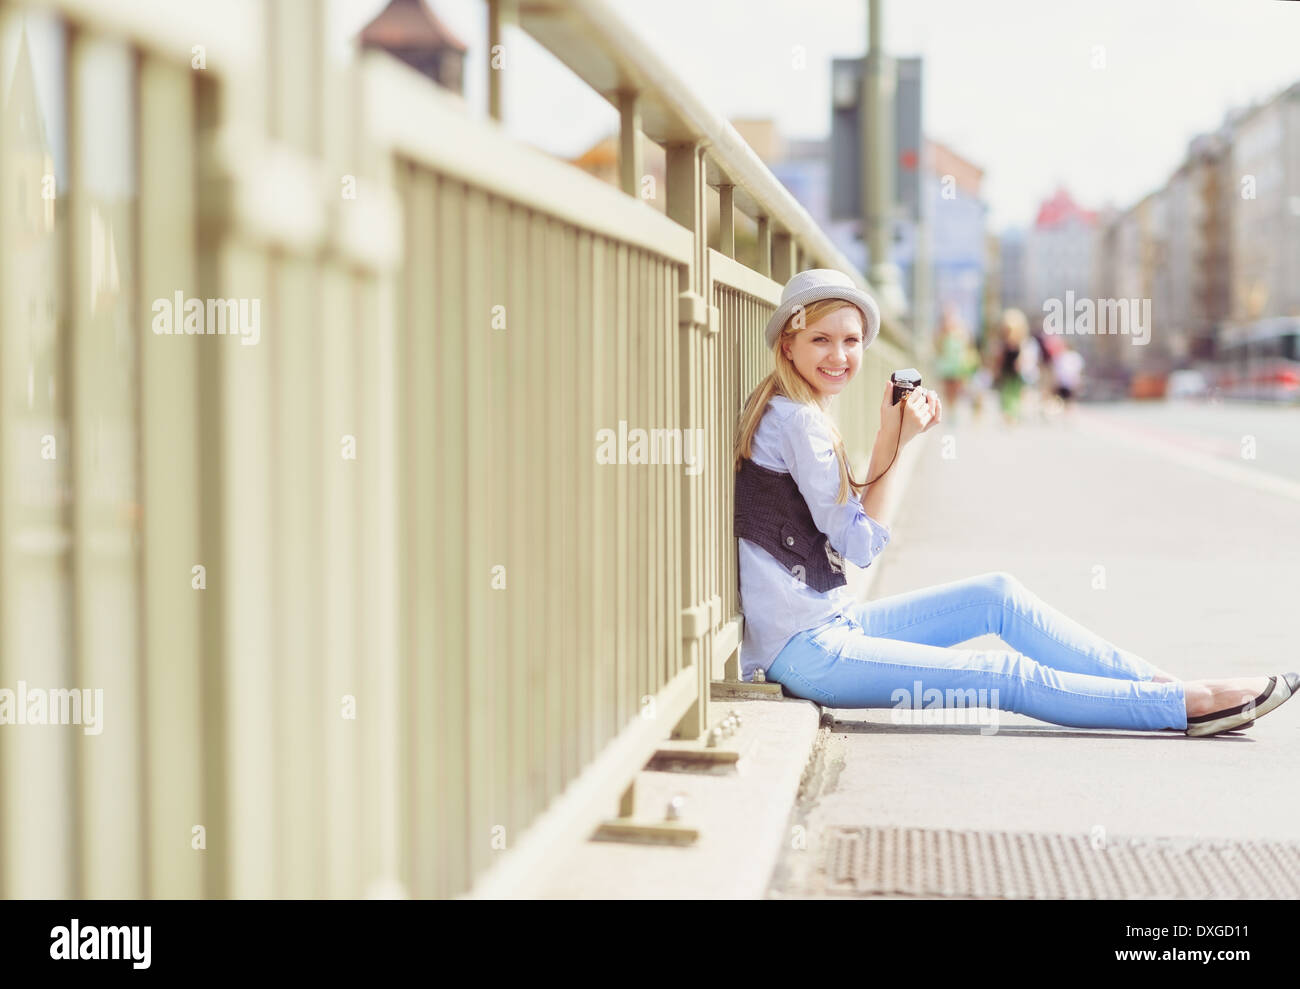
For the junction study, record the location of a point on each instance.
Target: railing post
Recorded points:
(631, 143)
(501, 13)
(783, 260)
(296, 71)
(726, 219)
(763, 263)
(685, 205)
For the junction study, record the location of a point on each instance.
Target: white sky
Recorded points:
(1009, 84)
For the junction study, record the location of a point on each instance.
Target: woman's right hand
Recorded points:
(891, 416)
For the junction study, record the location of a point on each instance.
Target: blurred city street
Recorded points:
(1198, 578)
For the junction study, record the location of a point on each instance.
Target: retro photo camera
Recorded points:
(904, 381)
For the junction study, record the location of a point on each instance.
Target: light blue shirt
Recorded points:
(795, 439)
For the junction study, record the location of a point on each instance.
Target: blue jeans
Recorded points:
(895, 651)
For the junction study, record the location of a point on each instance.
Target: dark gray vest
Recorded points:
(771, 512)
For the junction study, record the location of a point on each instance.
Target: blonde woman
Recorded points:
(1009, 370)
(800, 513)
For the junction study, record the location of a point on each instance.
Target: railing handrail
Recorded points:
(598, 46)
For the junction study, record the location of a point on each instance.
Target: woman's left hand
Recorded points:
(936, 409)
(921, 411)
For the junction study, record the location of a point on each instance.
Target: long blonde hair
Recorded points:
(786, 380)
(1014, 326)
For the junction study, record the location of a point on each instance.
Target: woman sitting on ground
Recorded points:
(800, 514)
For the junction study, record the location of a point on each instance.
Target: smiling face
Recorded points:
(831, 344)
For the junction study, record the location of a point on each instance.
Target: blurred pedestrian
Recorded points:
(955, 357)
(1031, 372)
(1067, 370)
(1013, 331)
(1051, 345)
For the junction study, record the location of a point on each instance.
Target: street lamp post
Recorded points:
(878, 84)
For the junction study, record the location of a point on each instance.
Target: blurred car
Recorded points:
(1148, 386)
(1187, 383)
(1260, 360)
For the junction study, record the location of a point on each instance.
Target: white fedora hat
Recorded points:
(808, 286)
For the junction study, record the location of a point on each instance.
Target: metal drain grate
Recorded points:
(864, 861)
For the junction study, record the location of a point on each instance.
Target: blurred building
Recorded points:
(958, 217)
(409, 30)
(1218, 242)
(1058, 253)
(1130, 248)
(1265, 221)
(1214, 194)
(1012, 291)
(1174, 300)
(1191, 283)
(1103, 352)
(1157, 353)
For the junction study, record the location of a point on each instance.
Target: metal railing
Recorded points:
(370, 614)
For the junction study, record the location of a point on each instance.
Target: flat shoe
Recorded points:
(1280, 689)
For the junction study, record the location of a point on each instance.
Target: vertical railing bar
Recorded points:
(516, 296)
(473, 328)
(427, 608)
(452, 355)
(574, 665)
(621, 405)
(584, 431)
(497, 660)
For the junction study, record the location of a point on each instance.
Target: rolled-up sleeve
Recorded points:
(809, 452)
